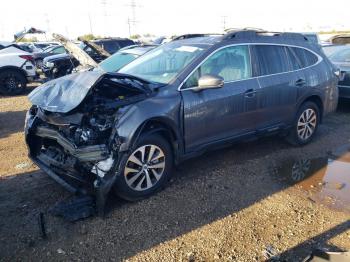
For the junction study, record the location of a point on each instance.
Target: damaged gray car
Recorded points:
(95, 131)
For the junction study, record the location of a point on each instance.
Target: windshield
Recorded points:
(117, 61)
(341, 56)
(164, 63)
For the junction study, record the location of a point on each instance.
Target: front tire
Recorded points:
(305, 124)
(145, 169)
(12, 82)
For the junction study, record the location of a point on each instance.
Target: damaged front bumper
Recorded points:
(79, 169)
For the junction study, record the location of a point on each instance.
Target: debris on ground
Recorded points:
(42, 228)
(22, 165)
(271, 254)
(76, 208)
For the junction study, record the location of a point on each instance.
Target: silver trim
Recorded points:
(320, 59)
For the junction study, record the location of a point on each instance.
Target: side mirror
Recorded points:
(209, 82)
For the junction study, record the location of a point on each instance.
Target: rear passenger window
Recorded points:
(305, 57)
(272, 59)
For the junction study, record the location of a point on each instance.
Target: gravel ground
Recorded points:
(227, 205)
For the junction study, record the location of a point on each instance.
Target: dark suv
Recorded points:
(126, 130)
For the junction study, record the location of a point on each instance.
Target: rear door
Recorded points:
(278, 80)
(215, 115)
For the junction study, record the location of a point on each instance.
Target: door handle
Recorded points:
(250, 93)
(300, 82)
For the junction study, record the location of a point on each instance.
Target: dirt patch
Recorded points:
(226, 206)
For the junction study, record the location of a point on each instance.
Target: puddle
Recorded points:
(325, 180)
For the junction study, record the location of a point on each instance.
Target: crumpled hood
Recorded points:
(65, 93)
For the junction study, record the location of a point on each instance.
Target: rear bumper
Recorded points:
(344, 91)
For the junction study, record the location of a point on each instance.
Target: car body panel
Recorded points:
(223, 108)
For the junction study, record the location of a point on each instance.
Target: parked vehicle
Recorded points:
(340, 57)
(17, 68)
(48, 51)
(111, 45)
(126, 130)
(60, 65)
(341, 39)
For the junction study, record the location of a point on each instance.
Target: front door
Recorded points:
(214, 115)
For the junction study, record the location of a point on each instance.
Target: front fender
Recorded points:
(164, 108)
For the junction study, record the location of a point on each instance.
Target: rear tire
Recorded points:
(12, 82)
(305, 124)
(145, 169)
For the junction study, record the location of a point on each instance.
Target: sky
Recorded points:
(164, 17)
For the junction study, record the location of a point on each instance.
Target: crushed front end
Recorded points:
(74, 139)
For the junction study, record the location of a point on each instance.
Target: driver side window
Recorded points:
(231, 63)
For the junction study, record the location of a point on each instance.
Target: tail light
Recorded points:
(28, 58)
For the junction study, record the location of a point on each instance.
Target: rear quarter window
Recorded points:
(305, 57)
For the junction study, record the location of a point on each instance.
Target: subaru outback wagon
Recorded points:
(96, 131)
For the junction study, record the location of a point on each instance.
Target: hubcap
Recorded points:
(144, 167)
(307, 124)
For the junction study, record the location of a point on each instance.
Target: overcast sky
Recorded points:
(165, 17)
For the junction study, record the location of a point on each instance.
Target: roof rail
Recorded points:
(254, 33)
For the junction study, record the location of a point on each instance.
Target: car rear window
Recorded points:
(272, 59)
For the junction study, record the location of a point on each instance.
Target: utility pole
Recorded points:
(104, 4)
(224, 22)
(132, 22)
(89, 16)
(90, 23)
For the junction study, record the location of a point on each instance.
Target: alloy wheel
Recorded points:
(307, 124)
(144, 167)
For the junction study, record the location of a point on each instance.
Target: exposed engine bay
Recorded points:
(80, 146)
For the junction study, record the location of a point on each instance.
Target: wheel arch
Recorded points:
(164, 127)
(318, 101)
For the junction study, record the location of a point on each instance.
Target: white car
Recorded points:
(17, 68)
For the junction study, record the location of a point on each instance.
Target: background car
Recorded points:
(17, 68)
(339, 55)
(48, 51)
(63, 64)
(111, 45)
